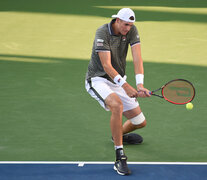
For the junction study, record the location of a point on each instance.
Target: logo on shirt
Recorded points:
(100, 40)
(99, 44)
(124, 38)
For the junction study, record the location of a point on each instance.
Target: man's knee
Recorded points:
(143, 124)
(116, 106)
(139, 121)
(114, 103)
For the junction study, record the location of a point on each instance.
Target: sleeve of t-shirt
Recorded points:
(101, 41)
(134, 36)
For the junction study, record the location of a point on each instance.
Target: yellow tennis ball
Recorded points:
(189, 106)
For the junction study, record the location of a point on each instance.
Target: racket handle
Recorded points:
(150, 92)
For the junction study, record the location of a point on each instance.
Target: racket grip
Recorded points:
(150, 92)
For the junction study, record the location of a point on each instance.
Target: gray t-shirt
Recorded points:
(106, 40)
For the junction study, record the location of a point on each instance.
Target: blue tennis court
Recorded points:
(100, 170)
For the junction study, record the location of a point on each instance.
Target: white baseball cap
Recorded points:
(125, 14)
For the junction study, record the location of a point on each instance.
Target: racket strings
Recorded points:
(178, 92)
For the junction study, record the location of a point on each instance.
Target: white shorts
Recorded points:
(103, 88)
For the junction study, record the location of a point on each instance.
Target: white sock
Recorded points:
(118, 147)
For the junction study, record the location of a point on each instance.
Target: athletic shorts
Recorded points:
(102, 88)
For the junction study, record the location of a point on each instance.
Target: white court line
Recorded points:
(82, 163)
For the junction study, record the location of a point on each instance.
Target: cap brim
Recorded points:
(114, 16)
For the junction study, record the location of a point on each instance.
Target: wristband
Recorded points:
(139, 79)
(119, 80)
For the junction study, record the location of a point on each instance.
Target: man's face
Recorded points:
(124, 26)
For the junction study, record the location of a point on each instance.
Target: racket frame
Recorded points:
(162, 89)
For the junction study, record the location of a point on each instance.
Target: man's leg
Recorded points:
(128, 126)
(114, 103)
(135, 121)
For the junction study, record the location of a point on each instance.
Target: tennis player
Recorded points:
(106, 81)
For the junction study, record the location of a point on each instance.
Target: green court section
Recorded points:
(45, 112)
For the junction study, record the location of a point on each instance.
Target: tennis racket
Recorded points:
(178, 91)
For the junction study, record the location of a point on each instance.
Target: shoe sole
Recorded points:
(123, 174)
(126, 143)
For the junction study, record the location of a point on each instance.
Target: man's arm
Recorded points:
(139, 69)
(105, 58)
(137, 59)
